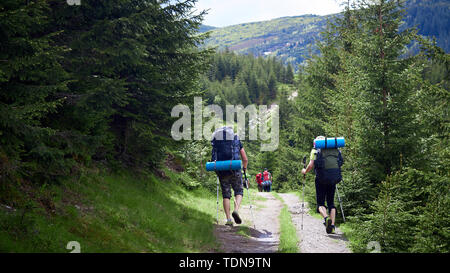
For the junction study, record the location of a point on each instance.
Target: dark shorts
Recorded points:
(232, 181)
(325, 192)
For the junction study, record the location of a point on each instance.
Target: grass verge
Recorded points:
(107, 213)
(288, 233)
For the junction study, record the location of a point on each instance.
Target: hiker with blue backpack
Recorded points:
(226, 146)
(326, 159)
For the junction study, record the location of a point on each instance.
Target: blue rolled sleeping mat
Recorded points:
(227, 165)
(329, 143)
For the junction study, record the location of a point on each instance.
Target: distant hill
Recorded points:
(432, 18)
(205, 28)
(291, 38)
(286, 37)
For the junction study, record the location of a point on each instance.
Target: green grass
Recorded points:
(288, 233)
(115, 214)
(357, 244)
(244, 231)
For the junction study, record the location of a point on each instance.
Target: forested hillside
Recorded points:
(394, 115)
(80, 84)
(292, 39)
(235, 79)
(287, 38)
(86, 100)
(392, 110)
(86, 92)
(432, 19)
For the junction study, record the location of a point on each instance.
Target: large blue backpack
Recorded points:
(328, 166)
(225, 146)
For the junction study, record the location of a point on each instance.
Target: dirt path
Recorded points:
(313, 238)
(262, 239)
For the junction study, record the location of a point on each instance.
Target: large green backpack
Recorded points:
(328, 166)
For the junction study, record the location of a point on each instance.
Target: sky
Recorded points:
(230, 12)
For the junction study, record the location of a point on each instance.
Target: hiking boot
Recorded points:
(229, 223)
(236, 217)
(333, 229)
(328, 226)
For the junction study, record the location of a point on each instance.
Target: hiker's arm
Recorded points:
(244, 158)
(309, 167)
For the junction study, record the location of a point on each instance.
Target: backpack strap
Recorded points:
(235, 148)
(319, 162)
(214, 151)
(340, 159)
(232, 147)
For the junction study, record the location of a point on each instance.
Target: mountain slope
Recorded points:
(286, 37)
(432, 18)
(291, 38)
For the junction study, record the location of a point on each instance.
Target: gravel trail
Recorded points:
(263, 234)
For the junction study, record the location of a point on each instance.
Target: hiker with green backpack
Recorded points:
(327, 164)
(226, 146)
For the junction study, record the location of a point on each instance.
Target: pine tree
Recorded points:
(272, 86)
(125, 57)
(242, 91)
(289, 75)
(381, 78)
(30, 77)
(376, 103)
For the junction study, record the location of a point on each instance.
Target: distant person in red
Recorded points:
(259, 181)
(267, 180)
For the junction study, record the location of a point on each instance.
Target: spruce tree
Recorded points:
(131, 63)
(30, 77)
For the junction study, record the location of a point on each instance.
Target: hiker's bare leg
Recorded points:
(226, 207)
(333, 215)
(237, 202)
(323, 211)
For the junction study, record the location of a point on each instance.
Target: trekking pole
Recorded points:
(303, 191)
(340, 203)
(249, 199)
(217, 202)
